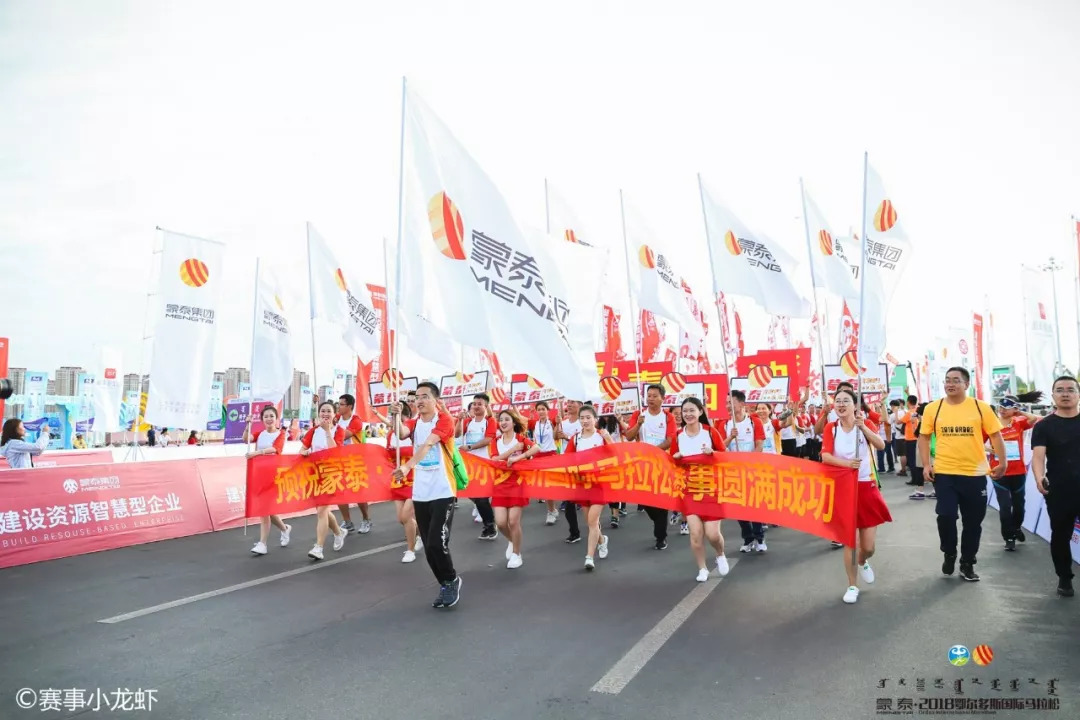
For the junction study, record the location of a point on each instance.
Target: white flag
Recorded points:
(340, 299)
(471, 272)
(1039, 329)
(271, 352)
(654, 281)
(190, 290)
(885, 252)
(747, 263)
(832, 269)
(108, 392)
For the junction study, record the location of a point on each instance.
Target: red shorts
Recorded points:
(871, 510)
(401, 493)
(705, 518)
(509, 502)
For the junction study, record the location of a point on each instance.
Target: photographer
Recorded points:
(19, 453)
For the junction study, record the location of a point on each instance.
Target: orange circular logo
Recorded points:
(194, 273)
(674, 382)
(732, 243)
(571, 236)
(534, 383)
(849, 363)
(982, 655)
(447, 227)
(392, 379)
(465, 377)
(884, 216)
(339, 278)
(760, 376)
(611, 387)
(646, 257)
(498, 396)
(825, 242)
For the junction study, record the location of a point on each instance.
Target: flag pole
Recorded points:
(547, 209)
(862, 333)
(630, 298)
(715, 284)
(251, 372)
(311, 305)
(397, 278)
(813, 282)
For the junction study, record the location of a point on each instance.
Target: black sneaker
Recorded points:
(661, 544)
(949, 566)
(489, 533)
(1020, 536)
(453, 592)
(1065, 588)
(622, 512)
(348, 526)
(641, 508)
(573, 539)
(967, 572)
(1010, 545)
(440, 601)
(614, 522)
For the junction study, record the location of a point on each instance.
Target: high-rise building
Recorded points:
(233, 377)
(50, 389)
(220, 377)
(292, 397)
(18, 379)
(131, 382)
(350, 384)
(67, 379)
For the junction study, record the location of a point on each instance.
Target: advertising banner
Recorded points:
(464, 385)
(305, 411)
(875, 378)
(774, 391)
(36, 385)
(236, 417)
(526, 390)
(217, 400)
(4, 349)
(1003, 381)
(382, 395)
(109, 392)
(793, 364)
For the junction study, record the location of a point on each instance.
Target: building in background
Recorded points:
(219, 377)
(292, 397)
(131, 383)
(67, 379)
(233, 377)
(350, 384)
(18, 383)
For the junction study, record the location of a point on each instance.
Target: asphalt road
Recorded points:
(638, 638)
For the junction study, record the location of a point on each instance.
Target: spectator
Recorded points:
(193, 438)
(13, 446)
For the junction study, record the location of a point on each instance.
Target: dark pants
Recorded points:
(912, 447)
(885, 455)
(487, 514)
(752, 531)
(899, 449)
(813, 450)
(1010, 495)
(571, 519)
(659, 517)
(433, 520)
(968, 496)
(1063, 511)
(789, 448)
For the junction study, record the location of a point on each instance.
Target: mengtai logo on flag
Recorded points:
(646, 257)
(825, 242)
(447, 227)
(884, 216)
(339, 278)
(194, 273)
(732, 243)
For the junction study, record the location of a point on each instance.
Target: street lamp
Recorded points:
(1052, 267)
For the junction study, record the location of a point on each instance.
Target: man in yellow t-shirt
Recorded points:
(959, 466)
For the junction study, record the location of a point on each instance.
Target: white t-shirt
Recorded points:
(346, 433)
(744, 440)
(396, 441)
(163, 440)
(474, 433)
(544, 436)
(501, 446)
(431, 481)
(787, 432)
(318, 440)
(266, 440)
(588, 443)
(654, 430)
(769, 445)
(694, 445)
(845, 448)
(897, 426)
(570, 429)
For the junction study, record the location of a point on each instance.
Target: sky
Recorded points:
(240, 121)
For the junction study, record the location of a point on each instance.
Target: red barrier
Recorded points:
(63, 459)
(48, 513)
(224, 483)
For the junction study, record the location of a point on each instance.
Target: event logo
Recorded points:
(534, 383)
(963, 347)
(673, 382)
(646, 257)
(70, 486)
(884, 216)
(447, 227)
(234, 415)
(572, 237)
(760, 376)
(498, 396)
(982, 655)
(611, 387)
(959, 655)
(194, 273)
(849, 363)
(392, 378)
(825, 242)
(110, 373)
(339, 278)
(732, 243)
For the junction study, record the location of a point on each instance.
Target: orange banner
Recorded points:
(791, 492)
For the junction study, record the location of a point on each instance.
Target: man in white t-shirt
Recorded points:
(745, 433)
(477, 428)
(655, 426)
(353, 428)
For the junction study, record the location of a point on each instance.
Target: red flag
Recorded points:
(386, 336)
(363, 407)
(612, 343)
(740, 346)
(849, 332)
(648, 337)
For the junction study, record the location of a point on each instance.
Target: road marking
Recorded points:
(622, 672)
(244, 585)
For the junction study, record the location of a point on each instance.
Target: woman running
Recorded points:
(1010, 488)
(587, 439)
(510, 446)
(324, 436)
(401, 492)
(698, 438)
(543, 434)
(268, 441)
(847, 443)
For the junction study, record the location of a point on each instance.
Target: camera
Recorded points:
(7, 389)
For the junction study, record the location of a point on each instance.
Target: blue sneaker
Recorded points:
(453, 592)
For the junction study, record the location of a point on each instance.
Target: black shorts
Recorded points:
(899, 446)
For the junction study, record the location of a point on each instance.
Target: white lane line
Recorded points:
(622, 672)
(244, 585)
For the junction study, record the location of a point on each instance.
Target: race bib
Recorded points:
(473, 437)
(1012, 450)
(654, 438)
(432, 457)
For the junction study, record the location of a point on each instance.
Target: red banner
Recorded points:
(628, 371)
(716, 394)
(762, 487)
(49, 513)
(612, 343)
(977, 337)
(792, 364)
(224, 487)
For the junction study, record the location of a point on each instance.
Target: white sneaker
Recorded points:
(867, 573)
(748, 547)
(722, 566)
(552, 518)
(339, 540)
(509, 550)
(408, 557)
(476, 515)
(419, 544)
(684, 530)
(285, 536)
(703, 575)
(602, 548)
(259, 549)
(514, 562)
(851, 595)
(364, 527)
(315, 553)
(760, 546)
(589, 564)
